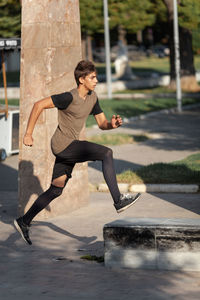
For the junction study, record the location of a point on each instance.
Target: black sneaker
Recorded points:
(23, 229)
(125, 201)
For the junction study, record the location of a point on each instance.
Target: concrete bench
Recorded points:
(153, 243)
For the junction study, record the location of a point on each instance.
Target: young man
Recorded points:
(73, 110)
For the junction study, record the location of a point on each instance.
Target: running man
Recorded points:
(73, 109)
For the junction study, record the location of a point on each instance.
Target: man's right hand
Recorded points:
(28, 140)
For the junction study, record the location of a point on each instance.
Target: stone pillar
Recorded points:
(51, 48)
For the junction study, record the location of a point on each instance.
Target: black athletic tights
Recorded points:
(76, 152)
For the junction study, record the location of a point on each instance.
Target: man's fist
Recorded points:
(116, 121)
(28, 140)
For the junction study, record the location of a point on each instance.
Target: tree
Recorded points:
(91, 15)
(10, 18)
(130, 16)
(189, 19)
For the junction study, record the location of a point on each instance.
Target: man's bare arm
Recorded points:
(34, 115)
(104, 124)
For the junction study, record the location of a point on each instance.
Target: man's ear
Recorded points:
(81, 79)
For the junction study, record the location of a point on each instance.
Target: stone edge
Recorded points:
(147, 188)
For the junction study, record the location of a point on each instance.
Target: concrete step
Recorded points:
(153, 243)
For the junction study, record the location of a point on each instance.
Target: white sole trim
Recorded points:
(125, 207)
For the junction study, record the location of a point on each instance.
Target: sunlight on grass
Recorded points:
(148, 64)
(117, 139)
(186, 171)
(151, 64)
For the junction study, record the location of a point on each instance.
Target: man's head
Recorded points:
(84, 69)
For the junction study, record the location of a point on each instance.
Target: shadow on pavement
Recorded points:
(9, 178)
(180, 131)
(9, 199)
(190, 203)
(46, 270)
(57, 229)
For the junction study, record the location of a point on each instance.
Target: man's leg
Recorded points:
(22, 224)
(45, 198)
(80, 151)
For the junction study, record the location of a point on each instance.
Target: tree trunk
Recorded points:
(139, 37)
(188, 79)
(122, 34)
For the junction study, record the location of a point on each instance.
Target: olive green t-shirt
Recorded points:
(72, 114)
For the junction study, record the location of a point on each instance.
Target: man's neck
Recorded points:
(82, 91)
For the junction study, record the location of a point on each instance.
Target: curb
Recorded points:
(148, 188)
(162, 111)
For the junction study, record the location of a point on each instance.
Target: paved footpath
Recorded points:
(52, 268)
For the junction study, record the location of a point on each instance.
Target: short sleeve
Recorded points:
(96, 109)
(62, 101)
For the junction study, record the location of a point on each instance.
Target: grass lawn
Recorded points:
(12, 102)
(151, 64)
(144, 66)
(148, 64)
(151, 91)
(117, 139)
(154, 90)
(186, 171)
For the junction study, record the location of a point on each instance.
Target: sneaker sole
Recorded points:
(20, 231)
(127, 206)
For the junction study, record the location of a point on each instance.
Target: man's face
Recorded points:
(90, 81)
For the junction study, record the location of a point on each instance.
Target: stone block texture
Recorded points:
(165, 244)
(51, 48)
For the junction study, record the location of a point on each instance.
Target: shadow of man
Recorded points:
(29, 185)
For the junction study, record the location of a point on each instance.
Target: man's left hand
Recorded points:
(116, 121)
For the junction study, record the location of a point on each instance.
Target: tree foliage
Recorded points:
(10, 18)
(133, 15)
(160, 10)
(91, 15)
(189, 14)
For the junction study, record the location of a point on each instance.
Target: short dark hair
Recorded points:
(83, 68)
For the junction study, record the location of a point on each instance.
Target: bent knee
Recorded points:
(109, 153)
(60, 181)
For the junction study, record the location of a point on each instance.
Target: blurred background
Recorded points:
(144, 27)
